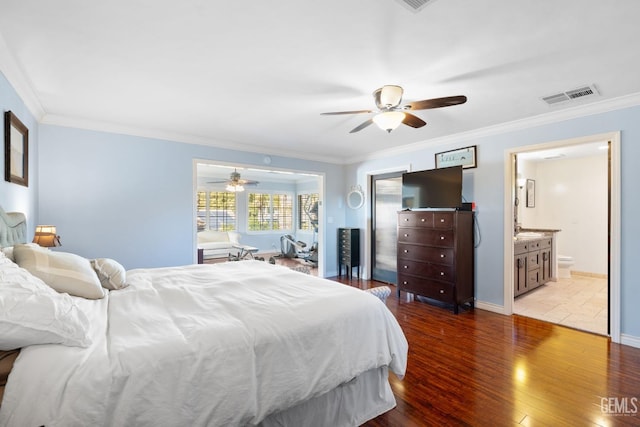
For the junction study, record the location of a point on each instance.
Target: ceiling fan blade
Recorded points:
(248, 182)
(437, 102)
(413, 121)
(335, 113)
(361, 126)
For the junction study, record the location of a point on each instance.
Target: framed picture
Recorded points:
(531, 193)
(465, 157)
(16, 150)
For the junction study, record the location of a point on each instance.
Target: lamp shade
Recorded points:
(389, 121)
(46, 236)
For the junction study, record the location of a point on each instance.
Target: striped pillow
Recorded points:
(64, 272)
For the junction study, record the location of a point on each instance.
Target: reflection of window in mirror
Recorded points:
(355, 197)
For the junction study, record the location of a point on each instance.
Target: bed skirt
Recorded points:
(350, 404)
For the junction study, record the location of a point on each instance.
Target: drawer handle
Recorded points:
(406, 235)
(442, 273)
(441, 237)
(406, 251)
(441, 219)
(405, 282)
(405, 266)
(442, 291)
(406, 219)
(441, 255)
(422, 219)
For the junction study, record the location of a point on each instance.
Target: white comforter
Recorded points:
(225, 344)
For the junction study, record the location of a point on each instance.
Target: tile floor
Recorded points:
(579, 302)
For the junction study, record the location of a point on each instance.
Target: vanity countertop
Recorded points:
(534, 233)
(540, 230)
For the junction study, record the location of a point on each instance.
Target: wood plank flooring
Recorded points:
(485, 369)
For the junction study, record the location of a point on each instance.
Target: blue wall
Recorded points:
(131, 198)
(485, 186)
(14, 197)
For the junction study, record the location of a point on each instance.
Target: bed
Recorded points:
(237, 343)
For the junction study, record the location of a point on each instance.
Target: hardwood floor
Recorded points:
(485, 369)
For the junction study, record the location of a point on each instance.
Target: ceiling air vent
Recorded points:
(415, 5)
(581, 92)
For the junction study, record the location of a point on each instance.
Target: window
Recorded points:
(216, 210)
(308, 211)
(270, 212)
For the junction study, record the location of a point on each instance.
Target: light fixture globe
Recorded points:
(389, 120)
(235, 188)
(388, 96)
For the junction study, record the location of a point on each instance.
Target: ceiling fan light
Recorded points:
(389, 121)
(391, 95)
(235, 188)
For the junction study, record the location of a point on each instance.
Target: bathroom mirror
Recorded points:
(355, 197)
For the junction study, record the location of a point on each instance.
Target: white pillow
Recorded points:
(111, 273)
(32, 313)
(63, 271)
(8, 250)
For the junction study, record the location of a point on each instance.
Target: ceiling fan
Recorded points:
(390, 113)
(235, 183)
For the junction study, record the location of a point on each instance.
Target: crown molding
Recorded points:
(94, 125)
(9, 67)
(599, 107)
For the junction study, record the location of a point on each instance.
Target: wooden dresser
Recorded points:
(436, 255)
(348, 250)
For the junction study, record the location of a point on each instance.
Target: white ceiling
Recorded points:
(255, 76)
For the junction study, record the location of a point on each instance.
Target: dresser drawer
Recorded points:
(429, 288)
(344, 252)
(426, 269)
(520, 248)
(545, 243)
(344, 244)
(533, 278)
(443, 220)
(425, 253)
(415, 219)
(344, 234)
(533, 260)
(440, 238)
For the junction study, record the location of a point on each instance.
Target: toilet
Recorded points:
(564, 266)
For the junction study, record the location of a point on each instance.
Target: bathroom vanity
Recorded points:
(534, 260)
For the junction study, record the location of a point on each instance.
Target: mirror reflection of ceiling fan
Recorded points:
(235, 183)
(391, 114)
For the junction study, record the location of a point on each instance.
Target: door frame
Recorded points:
(320, 176)
(366, 271)
(614, 220)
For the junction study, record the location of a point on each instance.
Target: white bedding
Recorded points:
(224, 344)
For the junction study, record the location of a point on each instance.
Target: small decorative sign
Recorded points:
(465, 157)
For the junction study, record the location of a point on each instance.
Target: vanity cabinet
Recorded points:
(436, 256)
(532, 264)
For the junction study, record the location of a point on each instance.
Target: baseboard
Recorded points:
(630, 340)
(490, 307)
(588, 274)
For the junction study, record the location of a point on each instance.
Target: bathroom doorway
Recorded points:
(575, 193)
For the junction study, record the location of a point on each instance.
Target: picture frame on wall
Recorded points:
(16, 150)
(465, 157)
(531, 193)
